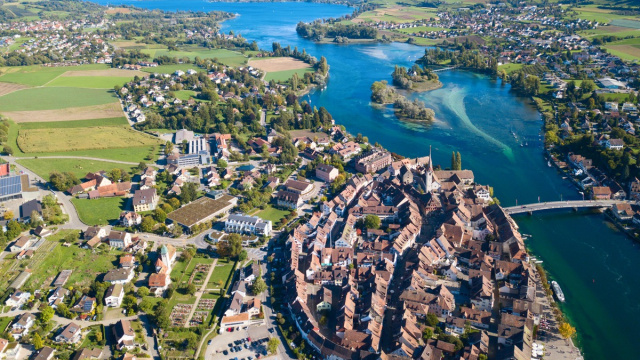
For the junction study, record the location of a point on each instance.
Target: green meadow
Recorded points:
(52, 98)
(79, 167)
(91, 82)
(37, 75)
(99, 211)
(285, 75)
(119, 121)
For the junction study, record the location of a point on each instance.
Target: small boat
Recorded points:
(549, 164)
(538, 261)
(558, 291)
(521, 145)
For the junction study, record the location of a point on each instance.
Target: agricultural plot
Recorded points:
(89, 82)
(224, 56)
(397, 14)
(278, 64)
(80, 167)
(37, 75)
(115, 121)
(72, 139)
(419, 29)
(51, 98)
(104, 111)
(7, 88)
(627, 49)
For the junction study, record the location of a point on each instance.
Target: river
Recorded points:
(476, 116)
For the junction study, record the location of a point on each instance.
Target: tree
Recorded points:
(432, 319)
(143, 291)
(129, 302)
(371, 222)
(160, 215)
(235, 245)
(8, 215)
(566, 330)
(7, 150)
(37, 341)
(458, 161)
(115, 175)
(427, 334)
(272, 345)
(222, 164)
(191, 289)
(189, 193)
(147, 224)
(453, 160)
(258, 286)
(46, 314)
(243, 255)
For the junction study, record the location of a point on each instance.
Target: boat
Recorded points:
(549, 163)
(558, 291)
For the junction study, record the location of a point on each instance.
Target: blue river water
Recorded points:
(476, 116)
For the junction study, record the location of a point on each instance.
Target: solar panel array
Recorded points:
(10, 185)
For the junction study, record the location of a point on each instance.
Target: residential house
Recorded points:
(124, 335)
(22, 325)
(145, 200)
(70, 334)
(57, 296)
(243, 224)
(46, 353)
(130, 218)
(114, 295)
(326, 173)
(119, 239)
(119, 276)
(622, 211)
(85, 305)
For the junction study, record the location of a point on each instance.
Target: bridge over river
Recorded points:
(570, 204)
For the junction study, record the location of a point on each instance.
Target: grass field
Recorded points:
(117, 121)
(509, 68)
(185, 94)
(37, 75)
(51, 98)
(273, 214)
(80, 167)
(84, 264)
(99, 211)
(90, 82)
(104, 111)
(224, 56)
(220, 274)
(286, 75)
(627, 49)
(84, 138)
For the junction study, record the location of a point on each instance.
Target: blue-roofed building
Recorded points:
(11, 186)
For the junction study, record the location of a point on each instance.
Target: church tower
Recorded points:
(429, 181)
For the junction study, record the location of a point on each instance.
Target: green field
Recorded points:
(418, 29)
(79, 167)
(119, 121)
(90, 82)
(170, 69)
(273, 214)
(82, 138)
(99, 211)
(224, 56)
(37, 75)
(281, 76)
(4, 322)
(53, 98)
(509, 68)
(185, 95)
(85, 264)
(220, 274)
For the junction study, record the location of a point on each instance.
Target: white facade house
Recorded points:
(243, 224)
(114, 295)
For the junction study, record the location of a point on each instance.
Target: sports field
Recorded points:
(81, 138)
(52, 98)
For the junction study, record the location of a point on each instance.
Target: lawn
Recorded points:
(37, 75)
(85, 264)
(281, 76)
(99, 211)
(220, 274)
(418, 29)
(4, 322)
(53, 98)
(92, 82)
(85, 138)
(509, 68)
(185, 94)
(118, 121)
(80, 167)
(273, 214)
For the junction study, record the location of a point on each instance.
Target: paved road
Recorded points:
(80, 158)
